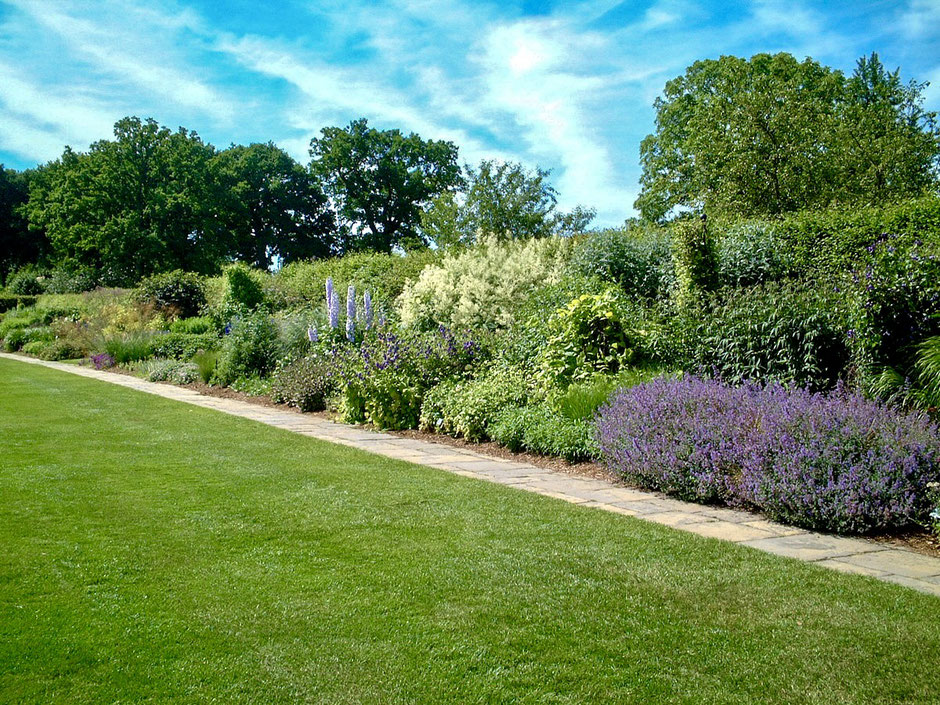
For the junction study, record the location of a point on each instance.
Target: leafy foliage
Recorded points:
(249, 349)
(304, 383)
(638, 259)
(772, 135)
(381, 181)
(177, 293)
(538, 429)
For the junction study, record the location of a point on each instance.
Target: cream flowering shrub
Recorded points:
(482, 287)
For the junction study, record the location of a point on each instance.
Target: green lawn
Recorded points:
(153, 551)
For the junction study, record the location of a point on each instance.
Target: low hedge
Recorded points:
(11, 301)
(182, 346)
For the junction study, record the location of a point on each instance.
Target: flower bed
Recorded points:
(833, 461)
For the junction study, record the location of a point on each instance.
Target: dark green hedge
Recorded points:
(8, 301)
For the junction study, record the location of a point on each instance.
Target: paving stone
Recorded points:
(678, 518)
(899, 562)
(726, 530)
(920, 585)
(652, 506)
(778, 529)
(812, 546)
(842, 566)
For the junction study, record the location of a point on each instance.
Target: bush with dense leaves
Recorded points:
(383, 381)
(11, 301)
(591, 334)
(193, 326)
(539, 429)
(835, 462)
(484, 286)
(17, 338)
(27, 281)
(182, 346)
(896, 302)
(71, 280)
(176, 293)
(250, 349)
(751, 253)
(638, 259)
(304, 383)
(787, 332)
(53, 349)
(825, 244)
(467, 407)
(300, 284)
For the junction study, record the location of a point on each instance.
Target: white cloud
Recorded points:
(921, 18)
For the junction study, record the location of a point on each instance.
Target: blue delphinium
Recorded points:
(332, 303)
(312, 334)
(351, 313)
(367, 308)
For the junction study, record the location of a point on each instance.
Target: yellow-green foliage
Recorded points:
(483, 286)
(587, 336)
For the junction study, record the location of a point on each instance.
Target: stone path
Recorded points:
(850, 555)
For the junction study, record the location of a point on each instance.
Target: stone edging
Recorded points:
(850, 555)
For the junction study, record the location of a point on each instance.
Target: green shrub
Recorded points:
(243, 286)
(193, 326)
(18, 338)
(251, 349)
(182, 346)
(304, 383)
(52, 349)
(71, 280)
(301, 283)
(538, 429)
(129, 347)
(591, 334)
(895, 302)
(785, 332)
(26, 281)
(828, 243)
(205, 362)
(12, 301)
(253, 386)
(484, 286)
(638, 259)
(177, 293)
(696, 261)
(466, 408)
(159, 370)
(751, 253)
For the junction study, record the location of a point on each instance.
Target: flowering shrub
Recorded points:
(304, 383)
(835, 462)
(483, 286)
(102, 361)
(385, 379)
(159, 370)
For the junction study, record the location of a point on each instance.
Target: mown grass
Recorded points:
(153, 551)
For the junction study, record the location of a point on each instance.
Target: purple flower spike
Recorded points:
(333, 306)
(367, 306)
(351, 313)
(312, 334)
(329, 291)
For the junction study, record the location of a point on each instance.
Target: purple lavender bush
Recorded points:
(836, 461)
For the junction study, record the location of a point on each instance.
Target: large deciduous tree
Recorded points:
(381, 181)
(771, 134)
(503, 199)
(141, 203)
(18, 245)
(273, 206)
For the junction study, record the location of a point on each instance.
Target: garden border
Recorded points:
(850, 555)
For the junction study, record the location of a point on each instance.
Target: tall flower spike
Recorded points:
(329, 302)
(351, 313)
(312, 334)
(367, 306)
(333, 306)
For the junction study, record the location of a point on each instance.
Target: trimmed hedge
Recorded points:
(11, 301)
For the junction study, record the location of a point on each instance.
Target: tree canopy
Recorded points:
(503, 199)
(381, 181)
(770, 134)
(17, 244)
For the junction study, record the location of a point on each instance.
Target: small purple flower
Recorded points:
(228, 328)
(312, 334)
(351, 313)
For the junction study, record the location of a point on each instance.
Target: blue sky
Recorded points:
(563, 85)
